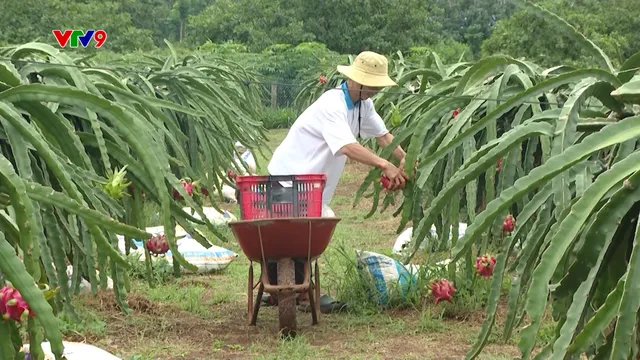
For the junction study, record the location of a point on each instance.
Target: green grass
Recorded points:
(204, 316)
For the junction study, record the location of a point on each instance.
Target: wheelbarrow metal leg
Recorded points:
(316, 287)
(256, 309)
(250, 293)
(312, 302)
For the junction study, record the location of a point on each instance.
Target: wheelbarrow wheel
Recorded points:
(286, 299)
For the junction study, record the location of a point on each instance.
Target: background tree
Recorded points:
(607, 23)
(271, 29)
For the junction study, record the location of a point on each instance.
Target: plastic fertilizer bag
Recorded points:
(403, 241)
(386, 273)
(246, 158)
(74, 351)
(213, 258)
(215, 217)
(85, 286)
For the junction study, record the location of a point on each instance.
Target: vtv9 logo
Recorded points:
(73, 38)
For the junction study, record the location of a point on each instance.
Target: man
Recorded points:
(324, 135)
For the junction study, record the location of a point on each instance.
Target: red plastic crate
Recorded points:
(262, 196)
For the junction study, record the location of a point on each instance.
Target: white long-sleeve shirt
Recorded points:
(313, 143)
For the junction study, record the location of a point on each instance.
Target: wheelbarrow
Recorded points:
(284, 240)
(283, 224)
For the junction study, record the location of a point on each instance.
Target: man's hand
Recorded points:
(357, 152)
(397, 177)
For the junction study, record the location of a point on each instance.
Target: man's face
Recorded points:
(368, 91)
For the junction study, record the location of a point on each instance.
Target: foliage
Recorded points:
(70, 133)
(470, 22)
(569, 173)
(449, 51)
(493, 26)
(446, 27)
(281, 118)
(377, 25)
(32, 20)
(291, 63)
(236, 20)
(608, 23)
(282, 64)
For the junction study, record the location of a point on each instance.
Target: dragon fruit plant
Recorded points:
(569, 169)
(75, 153)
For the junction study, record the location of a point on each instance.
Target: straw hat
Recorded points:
(368, 69)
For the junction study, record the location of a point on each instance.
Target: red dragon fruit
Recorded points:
(485, 265)
(12, 306)
(231, 175)
(499, 164)
(322, 79)
(176, 195)
(442, 289)
(188, 187)
(132, 189)
(509, 223)
(158, 244)
(455, 113)
(385, 182)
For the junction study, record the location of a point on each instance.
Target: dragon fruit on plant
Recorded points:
(442, 289)
(485, 265)
(115, 184)
(386, 182)
(132, 188)
(509, 224)
(158, 244)
(12, 306)
(188, 187)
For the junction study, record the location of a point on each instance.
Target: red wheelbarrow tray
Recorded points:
(292, 237)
